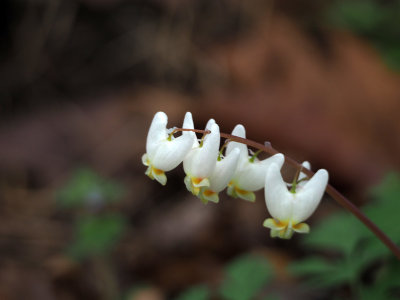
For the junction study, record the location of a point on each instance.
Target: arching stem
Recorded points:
(335, 194)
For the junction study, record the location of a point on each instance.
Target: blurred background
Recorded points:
(80, 81)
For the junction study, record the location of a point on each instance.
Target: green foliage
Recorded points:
(198, 292)
(87, 188)
(96, 235)
(374, 20)
(245, 277)
(355, 247)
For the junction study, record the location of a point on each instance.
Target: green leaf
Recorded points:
(359, 248)
(87, 188)
(245, 277)
(339, 233)
(311, 266)
(199, 292)
(321, 273)
(359, 16)
(376, 21)
(96, 235)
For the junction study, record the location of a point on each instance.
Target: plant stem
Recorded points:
(335, 194)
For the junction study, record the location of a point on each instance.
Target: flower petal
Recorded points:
(250, 176)
(277, 197)
(156, 174)
(194, 184)
(235, 192)
(207, 195)
(272, 224)
(302, 177)
(188, 124)
(145, 159)
(170, 154)
(301, 228)
(200, 162)
(240, 132)
(308, 198)
(224, 170)
(160, 176)
(209, 124)
(157, 132)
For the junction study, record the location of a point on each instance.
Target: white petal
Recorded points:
(157, 132)
(250, 176)
(240, 132)
(308, 198)
(145, 159)
(277, 197)
(306, 165)
(200, 162)
(170, 154)
(210, 123)
(188, 124)
(224, 170)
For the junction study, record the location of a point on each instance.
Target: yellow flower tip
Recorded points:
(145, 160)
(195, 191)
(200, 182)
(285, 229)
(194, 184)
(273, 224)
(207, 195)
(236, 192)
(301, 228)
(285, 233)
(231, 191)
(156, 174)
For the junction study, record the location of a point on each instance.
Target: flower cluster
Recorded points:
(208, 172)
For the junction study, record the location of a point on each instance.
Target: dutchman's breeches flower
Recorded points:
(163, 151)
(221, 176)
(250, 173)
(290, 208)
(200, 162)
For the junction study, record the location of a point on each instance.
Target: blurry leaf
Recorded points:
(199, 292)
(357, 15)
(359, 248)
(87, 188)
(389, 189)
(309, 266)
(385, 285)
(322, 273)
(386, 207)
(373, 20)
(339, 233)
(245, 276)
(96, 235)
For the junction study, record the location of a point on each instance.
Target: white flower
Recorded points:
(290, 208)
(163, 151)
(250, 173)
(221, 176)
(200, 162)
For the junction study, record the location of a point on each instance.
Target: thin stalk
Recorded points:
(335, 194)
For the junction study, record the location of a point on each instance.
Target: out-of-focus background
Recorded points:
(80, 81)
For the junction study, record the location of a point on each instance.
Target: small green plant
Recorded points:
(86, 188)
(96, 230)
(198, 292)
(353, 249)
(96, 235)
(245, 278)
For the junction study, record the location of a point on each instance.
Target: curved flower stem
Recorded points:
(335, 194)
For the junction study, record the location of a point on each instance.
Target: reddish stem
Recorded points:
(335, 194)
